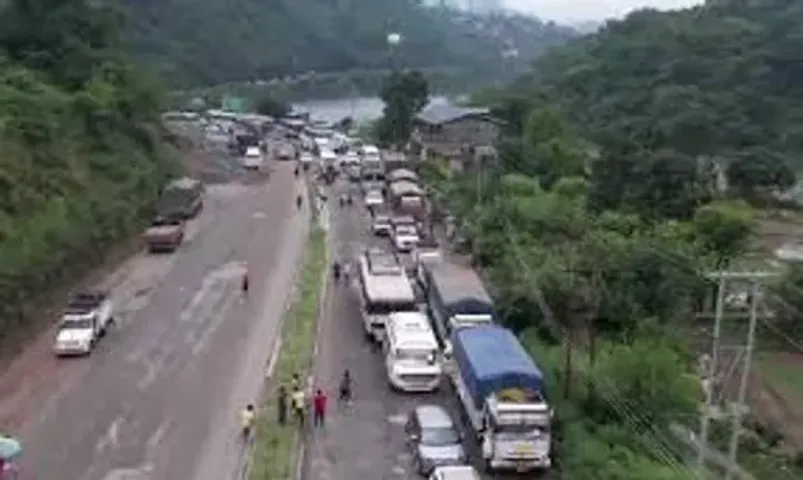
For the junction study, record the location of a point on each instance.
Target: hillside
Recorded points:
(81, 153)
(721, 79)
(200, 42)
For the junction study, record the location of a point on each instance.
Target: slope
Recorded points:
(197, 42)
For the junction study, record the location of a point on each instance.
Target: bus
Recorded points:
(385, 289)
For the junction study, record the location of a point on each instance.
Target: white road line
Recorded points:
(217, 319)
(156, 438)
(111, 438)
(274, 356)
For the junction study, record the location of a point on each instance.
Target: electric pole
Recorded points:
(742, 358)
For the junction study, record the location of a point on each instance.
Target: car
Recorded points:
(405, 237)
(381, 225)
(434, 439)
(455, 472)
(374, 198)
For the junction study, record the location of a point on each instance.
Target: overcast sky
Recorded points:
(582, 10)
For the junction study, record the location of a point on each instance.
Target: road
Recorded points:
(366, 440)
(158, 399)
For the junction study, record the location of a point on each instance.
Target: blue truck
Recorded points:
(456, 298)
(502, 392)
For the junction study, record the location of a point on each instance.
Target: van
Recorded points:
(252, 160)
(412, 360)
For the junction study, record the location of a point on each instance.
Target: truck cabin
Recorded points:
(84, 302)
(78, 323)
(517, 410)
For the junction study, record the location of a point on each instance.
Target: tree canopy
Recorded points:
(606, 207)
(82, 156)
(210, 42)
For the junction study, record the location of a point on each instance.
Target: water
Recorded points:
(360, 109)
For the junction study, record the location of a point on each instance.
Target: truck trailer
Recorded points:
(502, 393)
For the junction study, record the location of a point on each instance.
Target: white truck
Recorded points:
(502, 392)
(84, 321)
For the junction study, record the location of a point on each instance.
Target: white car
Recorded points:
(253, 158)
(374, 198)
(405, 238)
(381, 225)
(454, 472)
(84, 321)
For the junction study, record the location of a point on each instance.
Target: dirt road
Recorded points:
(158, 398)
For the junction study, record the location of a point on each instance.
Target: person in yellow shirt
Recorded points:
(247, 418)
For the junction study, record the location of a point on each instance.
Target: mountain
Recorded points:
(197, 42)
(719, 79)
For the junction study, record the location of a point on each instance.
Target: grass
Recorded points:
(275, 445)
(786, 377)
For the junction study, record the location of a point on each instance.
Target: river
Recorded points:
(360, 109)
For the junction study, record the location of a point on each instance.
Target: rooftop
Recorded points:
(445, 112)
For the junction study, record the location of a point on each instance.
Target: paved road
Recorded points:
(365, 441)
(158, 399)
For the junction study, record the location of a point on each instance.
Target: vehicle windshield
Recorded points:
(438, 437)
(417, 354)
(406, 230)
(386, 308)
(76, 324)
(166, 222)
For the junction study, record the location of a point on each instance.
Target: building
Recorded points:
(462, 136)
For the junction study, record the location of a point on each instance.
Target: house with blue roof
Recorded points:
(462, 136)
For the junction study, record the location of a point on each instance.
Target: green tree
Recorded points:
(268, 105)
(758, 172)
(404, 94)
(725, 229)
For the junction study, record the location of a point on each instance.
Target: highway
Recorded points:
(158, 399)
(365, 440)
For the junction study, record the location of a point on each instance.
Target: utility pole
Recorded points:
(743, 359)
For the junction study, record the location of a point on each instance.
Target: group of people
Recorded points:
(297, 404)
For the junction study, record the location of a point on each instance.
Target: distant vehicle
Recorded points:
(455, 472)
(306, 159)
(165, 234)
(286, 151)
(328, 159)
(405, 237)
(456, 298)
(83, 322)
(433, 438)
(502, 393)
(407, 197)
(374, 198)
(182, 198)
(412, 358)
(385, 289)
(381, 225)
(253, 158)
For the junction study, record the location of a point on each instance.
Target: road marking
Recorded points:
(218, 318)
(140, 473)
(274, 356)
(111, 437)
(399, 471)
(259, 215)
(158, 435)
(153, 367)
(397, 419)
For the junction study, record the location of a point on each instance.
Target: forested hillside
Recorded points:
(722, 79)
(200, 42)
(81, 152)
(598, 225)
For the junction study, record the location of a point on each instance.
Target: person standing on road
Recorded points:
(282, 405)
(299, 405)
(345, 388)
(245, 284)
(319, 408)
(299, 202)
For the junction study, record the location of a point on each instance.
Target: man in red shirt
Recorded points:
(319, 408)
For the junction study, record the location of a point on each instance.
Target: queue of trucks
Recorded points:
(455, 334)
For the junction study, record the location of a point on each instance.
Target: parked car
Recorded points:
(434, 439)
(455, 472)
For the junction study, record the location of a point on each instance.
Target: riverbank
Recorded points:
(322, 87)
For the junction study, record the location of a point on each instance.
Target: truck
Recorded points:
(456, 298)
(83, 322)
(183, 197)
(501, 390)
(165, 234)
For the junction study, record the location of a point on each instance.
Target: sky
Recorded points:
(584, 10)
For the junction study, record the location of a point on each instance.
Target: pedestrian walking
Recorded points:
(245, 284)
(319, 408)
(299, 405)
(282, 405)
(299, 201)
(345, 388)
